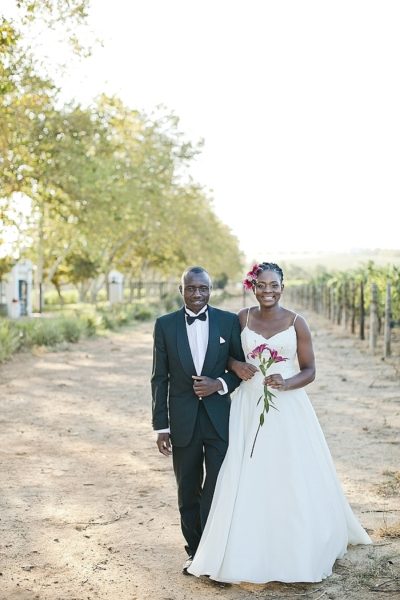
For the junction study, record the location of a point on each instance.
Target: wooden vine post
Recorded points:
(344, 304)
(333, 304)
(362, 312)
(388, 319)
(353, 305)
(373, 318)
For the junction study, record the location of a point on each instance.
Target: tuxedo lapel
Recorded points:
(184, 351)
(213, 342)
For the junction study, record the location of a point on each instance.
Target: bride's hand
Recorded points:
(242, 369)
(276, 382)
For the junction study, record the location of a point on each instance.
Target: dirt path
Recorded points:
(88, 507)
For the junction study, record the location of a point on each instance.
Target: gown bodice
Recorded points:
(285, 342)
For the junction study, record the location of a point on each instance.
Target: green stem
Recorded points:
(254, 443)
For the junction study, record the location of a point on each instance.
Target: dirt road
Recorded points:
(88, 506)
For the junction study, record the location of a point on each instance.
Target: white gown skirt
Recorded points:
(280, 515)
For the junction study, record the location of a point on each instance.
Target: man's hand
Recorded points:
(205, 386)
(164, 444)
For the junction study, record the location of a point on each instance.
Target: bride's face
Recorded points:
(268, 288)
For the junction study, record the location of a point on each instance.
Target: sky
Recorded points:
(297, 103)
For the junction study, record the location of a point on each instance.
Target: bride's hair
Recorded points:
(267, 266)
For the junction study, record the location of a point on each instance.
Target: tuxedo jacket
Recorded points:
(175, 404)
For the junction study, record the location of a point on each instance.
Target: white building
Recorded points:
(116, 287)
(16, 290)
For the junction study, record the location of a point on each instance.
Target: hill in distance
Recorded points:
(313, 262)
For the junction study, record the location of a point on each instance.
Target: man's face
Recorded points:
(196, 291)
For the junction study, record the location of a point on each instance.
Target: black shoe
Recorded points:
(186, 565)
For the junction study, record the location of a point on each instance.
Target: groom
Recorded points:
(191, 401)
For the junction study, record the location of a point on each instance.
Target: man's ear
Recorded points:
(180, 290)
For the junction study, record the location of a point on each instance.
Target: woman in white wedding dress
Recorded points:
(278, 512)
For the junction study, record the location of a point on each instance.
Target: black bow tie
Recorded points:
(190, 320)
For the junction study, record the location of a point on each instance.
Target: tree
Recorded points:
(6, 264)
(108, 184)
(82, 270)
(68, 14)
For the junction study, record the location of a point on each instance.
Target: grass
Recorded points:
(389, 531)
(390, 487)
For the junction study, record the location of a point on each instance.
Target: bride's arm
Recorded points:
(243, 370)
(305, 355)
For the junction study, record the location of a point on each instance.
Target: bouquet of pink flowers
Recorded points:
(265, 363)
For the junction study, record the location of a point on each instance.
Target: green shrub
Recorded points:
(72, 329)
(69, 325)
(69, 297)
(143, 313)
(9, 339)
(101, 295)
(108, 322)
(40, 332)
(92, 325)
(123, 314)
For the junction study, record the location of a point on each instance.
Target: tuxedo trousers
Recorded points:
(196, 468)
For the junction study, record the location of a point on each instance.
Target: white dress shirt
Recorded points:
(197, 334)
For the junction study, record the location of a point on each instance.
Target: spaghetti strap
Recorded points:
(248, 313)
(295, 317)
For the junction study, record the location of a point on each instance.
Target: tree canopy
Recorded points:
(109, 186)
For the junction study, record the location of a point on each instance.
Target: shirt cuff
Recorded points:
(224, 386)
(162, 430)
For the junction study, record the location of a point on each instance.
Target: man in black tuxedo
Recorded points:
(191, 396)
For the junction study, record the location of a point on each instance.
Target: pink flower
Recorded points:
(257, 352)
(274, 357)
(251, 277)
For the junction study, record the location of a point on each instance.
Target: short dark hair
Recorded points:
(267, 266)
(196, 270)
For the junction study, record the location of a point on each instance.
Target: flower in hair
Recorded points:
(251, 277)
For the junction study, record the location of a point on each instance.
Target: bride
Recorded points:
(278, 512)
